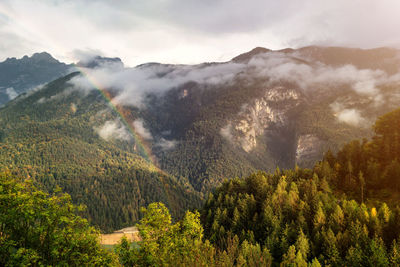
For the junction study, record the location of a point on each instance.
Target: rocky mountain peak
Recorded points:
(246, 56)
(43, 56)
(99, 61)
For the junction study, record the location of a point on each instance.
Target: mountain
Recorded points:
(53, 136)
(116, 138)
(99, 61)
(384, 58)
(20, 75)
(265, 109)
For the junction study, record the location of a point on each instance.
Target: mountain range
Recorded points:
(117, 138)
(18, 76)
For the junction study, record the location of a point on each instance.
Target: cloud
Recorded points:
(59, 96)
(191, 31)
(133, 84)
(311, 75)
(11, 93)
(160, 143)
(85, 55)
(141, 130)
(165, 144)
(226, 132)
(113, 130)
(349, 116)
(41, 100)
(130, 86)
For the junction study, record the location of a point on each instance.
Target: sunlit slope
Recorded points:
(54, 136)
(265, 109)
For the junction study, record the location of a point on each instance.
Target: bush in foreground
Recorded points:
(39, 229)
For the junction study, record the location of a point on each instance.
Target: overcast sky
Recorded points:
(190, 31)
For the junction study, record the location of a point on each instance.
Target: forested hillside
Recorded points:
(369, 169)
(59, 144)
(262, 109)
(299, 217)
(303, 214)
(118, 138)
(181, 133)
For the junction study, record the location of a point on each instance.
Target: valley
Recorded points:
(240, 151)
(179, 133)
(173, 133)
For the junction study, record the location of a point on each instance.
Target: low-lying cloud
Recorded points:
(226, 132)
(314, 76)
(113, 130)
(130, 86)
(165, 144)
(141, 130)
(11, 93)
(133, 84)
(160, 142)
(349, 116)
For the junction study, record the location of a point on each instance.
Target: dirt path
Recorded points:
(131, 233)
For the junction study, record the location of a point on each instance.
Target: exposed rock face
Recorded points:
(308, 149)
(254, 120)
(281, 94)
(256, 117)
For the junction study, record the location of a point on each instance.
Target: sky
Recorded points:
(190, 31)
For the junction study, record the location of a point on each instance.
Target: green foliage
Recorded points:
(395, 254)
(291, 218)
(51, 136)
(288, 218)
(368, 169)
(167, 244)
(299, 221)
(182, 244)
(38, 229)
(126, 255)
(253, 255)
(207, 158)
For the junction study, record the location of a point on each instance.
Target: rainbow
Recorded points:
(7, 15)
(141, 146)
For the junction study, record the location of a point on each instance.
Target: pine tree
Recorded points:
(302, 245)
(378, 255)
(289, 258)
(395, 254)
(314, 263)
(354, 257)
